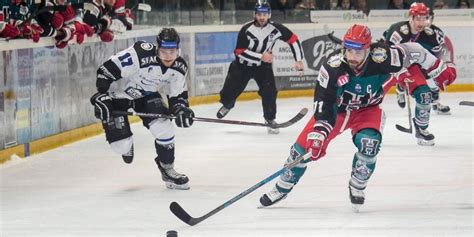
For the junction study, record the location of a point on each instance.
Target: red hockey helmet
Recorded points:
(418, 9)
(357, 37)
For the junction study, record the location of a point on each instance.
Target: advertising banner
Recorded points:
(337, 16)
(213, 54)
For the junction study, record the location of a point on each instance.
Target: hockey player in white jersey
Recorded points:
(131, 79)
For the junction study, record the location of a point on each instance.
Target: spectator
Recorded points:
(363, 5)
(345, 5)
(439, 4)
(306, 5)
(330, 5)
(398, 4)
(463, 4)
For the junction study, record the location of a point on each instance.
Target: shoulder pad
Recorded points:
(429, 31)
(180, 65)
(378, 54)
(335, 60)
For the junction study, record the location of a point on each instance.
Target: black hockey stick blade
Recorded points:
(179, 212)
(468, 103)
(403, 129)
(293, 120)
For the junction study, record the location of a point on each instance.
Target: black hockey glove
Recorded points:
(184, 116)
(102, 106)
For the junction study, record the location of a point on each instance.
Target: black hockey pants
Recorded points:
(237, 79)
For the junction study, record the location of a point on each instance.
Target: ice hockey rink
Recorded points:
(84, 189)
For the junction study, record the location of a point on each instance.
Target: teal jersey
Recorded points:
(21, 11)
(340, 89)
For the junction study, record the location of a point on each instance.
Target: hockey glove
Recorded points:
(441, 74)
(184, 116)
(102, 106)
(314, 143)
(8, 31)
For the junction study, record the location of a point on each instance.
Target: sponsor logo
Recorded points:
(148, 60)
(358, 88)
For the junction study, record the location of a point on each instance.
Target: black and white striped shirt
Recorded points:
(253, 41)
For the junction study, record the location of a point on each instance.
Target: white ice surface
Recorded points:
(84, 189)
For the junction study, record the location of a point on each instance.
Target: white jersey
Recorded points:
(137, 72)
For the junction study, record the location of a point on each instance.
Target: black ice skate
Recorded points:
(173, 179)
(272, 130)
(357, 197)
(441, 109)
(272, 197)
(222, 112)
(400, 96)
(128, 157)
(424, 137)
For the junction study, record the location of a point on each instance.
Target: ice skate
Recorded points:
(128, 157)
(271, 197)
(271, 130)
(357, 197)
(424, 137)
(222, 112)
(173, 179)
(441, 109)
(400, 96)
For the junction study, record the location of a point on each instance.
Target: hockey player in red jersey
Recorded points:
(349, 89)
(425, 90)
(131, 80)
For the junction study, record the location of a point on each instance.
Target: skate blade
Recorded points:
(422, 142)
(356, 207)
(170, 185)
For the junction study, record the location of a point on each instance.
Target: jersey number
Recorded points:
(125, 60)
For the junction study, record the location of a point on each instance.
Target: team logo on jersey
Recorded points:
(379, 55)
(358, 88)
(404, 29)
(146, 46)
(335, 60)
(429, 31)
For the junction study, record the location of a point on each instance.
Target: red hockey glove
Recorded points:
(9, 31)
(106, 36)
(69, 13)
(314, 144)
(57, 20)
(442, 74)
(88, 29)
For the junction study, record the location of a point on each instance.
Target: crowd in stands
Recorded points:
(65, 22)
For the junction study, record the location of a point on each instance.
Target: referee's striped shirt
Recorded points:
(253, 41)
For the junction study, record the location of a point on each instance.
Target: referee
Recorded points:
(253, 59)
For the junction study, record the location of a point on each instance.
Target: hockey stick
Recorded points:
(288, 123)
(399, 127)
(179, 212)
(468, 103)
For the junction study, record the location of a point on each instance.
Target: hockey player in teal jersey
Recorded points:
(350, 86)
